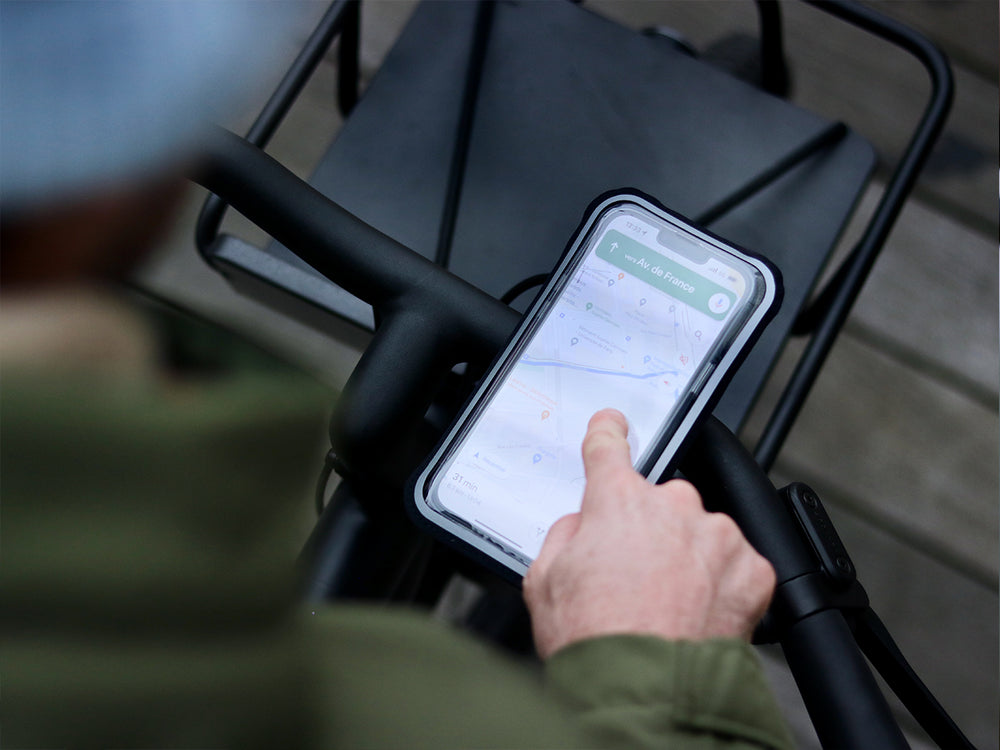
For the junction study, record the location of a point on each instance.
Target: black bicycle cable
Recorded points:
(882, 651)
(522, 286)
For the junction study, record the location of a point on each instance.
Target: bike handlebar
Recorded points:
(829, 669)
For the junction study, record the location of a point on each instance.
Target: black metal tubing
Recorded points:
(832, 134)
(342, 17)
(431, 320)
(463, 136)
(351, 556)
(774, 76)
(828, 314)
(844, 702)
(348, 63)
(731, 482)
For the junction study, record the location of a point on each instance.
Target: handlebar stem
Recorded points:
(430, 320)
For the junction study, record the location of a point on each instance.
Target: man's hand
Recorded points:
(643, 559)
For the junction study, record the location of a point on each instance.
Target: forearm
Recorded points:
(643, 691)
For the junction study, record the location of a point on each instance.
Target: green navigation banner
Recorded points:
(666, 275)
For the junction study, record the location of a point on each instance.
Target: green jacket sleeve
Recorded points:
(389, 678)
(642, 691)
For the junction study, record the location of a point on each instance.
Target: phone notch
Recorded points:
(683, 244)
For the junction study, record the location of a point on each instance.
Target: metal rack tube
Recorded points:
(837, 299)
(342, 15)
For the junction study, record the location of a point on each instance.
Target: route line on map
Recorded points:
(568, 366)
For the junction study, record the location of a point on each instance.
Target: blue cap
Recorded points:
(98, 92)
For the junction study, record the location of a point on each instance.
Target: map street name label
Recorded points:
(666, 275)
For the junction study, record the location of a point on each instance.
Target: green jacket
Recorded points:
(149, 523)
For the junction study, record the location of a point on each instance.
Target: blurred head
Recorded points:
(95, 237)
(104, 103)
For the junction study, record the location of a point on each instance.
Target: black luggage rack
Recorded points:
(782, 182)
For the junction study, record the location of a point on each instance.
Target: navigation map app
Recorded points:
(629, 331)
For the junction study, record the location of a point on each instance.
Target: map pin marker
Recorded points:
(590, 305)
(536, 458)
(646, 359)
(621, 276)
(545, 414)
(642, 302)
(611, 282)
(574, 341)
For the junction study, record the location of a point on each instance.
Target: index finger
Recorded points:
(606, 458)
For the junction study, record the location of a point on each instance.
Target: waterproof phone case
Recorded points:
(644, 313)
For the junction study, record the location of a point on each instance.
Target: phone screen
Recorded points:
(638, 324)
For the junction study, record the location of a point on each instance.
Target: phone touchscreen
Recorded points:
(644, 312)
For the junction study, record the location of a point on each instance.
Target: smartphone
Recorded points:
(645, 313)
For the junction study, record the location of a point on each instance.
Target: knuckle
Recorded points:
(559, 535)
(764, 573)
(684, 488)
(725, 530)
(684, 495)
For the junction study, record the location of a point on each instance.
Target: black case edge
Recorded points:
(411, 490)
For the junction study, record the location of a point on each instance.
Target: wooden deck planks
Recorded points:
(932, 299)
